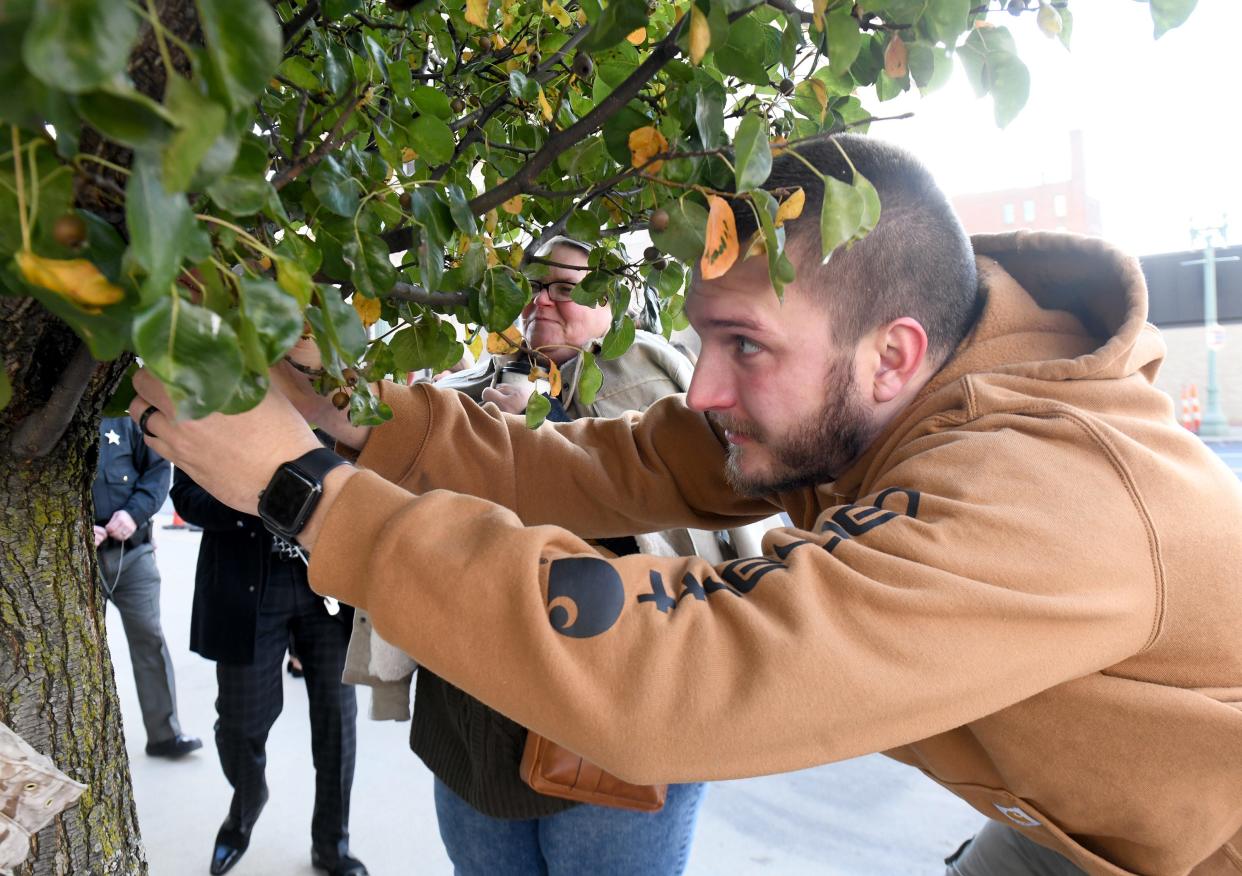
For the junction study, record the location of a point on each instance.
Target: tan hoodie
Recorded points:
(1028, 587)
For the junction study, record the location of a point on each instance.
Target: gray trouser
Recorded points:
(136, 594)
(997, 850)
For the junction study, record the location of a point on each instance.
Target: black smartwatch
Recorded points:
(294, 491)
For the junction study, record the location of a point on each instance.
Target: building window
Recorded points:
(1007, 212)
(1059, 206)
(1028, 211)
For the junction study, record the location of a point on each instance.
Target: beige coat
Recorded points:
(1027, 587)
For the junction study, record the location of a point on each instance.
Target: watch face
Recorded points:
(286, 499)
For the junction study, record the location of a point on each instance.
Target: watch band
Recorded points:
(318, 462)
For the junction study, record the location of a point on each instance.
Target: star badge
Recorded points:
(112, 437)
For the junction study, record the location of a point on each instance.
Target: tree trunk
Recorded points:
(57, 689)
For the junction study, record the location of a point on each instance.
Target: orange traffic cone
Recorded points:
(1196, 414)
(177, 522)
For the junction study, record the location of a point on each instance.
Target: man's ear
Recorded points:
(901, 347)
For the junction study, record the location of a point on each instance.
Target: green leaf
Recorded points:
(192, 350)
(200, 122)
(583, 225)
(522, 87)
(780, 269)
(709, 106)
(617, 21)
(430, 101)
(538, 406)
(590, 379)
(370, 268)
(502, 298)
(459, 209)
(294, 279)
(250, 390)
(160, 226)
(427, 342)
(77, 45)
(297, 71)
(870, 203)
(6, 389)
(618, 340)
(343, 328)
(752, 152)
(1011, 85)
(432, 139)
(241, 195)
(275, 315)
(844, 40)
(243, 47)
(947, 20)
(335, 188)
(335, 9)
(130, 118)
(686, 235)
(744, 54)
(840, 215)
(1168, 14)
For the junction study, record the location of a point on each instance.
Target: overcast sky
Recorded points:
(1161, 121)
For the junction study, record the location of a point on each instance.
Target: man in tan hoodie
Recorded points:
(1009, 566)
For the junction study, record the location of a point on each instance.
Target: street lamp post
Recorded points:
(1215, 424)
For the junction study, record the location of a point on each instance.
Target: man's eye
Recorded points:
(747, 347)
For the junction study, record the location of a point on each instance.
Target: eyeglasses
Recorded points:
(557, 290)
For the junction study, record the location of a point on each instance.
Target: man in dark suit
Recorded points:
(131, 483)
(250, 596)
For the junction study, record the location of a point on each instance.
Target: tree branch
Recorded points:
(332, 141)
(299, 21)
(419, 295)
(37, 434)
(664, 52)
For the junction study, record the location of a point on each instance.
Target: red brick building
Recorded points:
(1051, 206)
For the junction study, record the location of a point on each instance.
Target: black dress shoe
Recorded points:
(337, 861)
(178, 746)
(232, 840)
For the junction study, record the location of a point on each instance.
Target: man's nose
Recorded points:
(546, 301)
(710, 388)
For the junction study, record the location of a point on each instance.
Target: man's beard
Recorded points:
(815, 451)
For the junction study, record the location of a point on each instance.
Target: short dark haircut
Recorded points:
(916, 262)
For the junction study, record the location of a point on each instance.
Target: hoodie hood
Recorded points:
(1057, 307)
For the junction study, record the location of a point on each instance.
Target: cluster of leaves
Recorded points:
(377, 174)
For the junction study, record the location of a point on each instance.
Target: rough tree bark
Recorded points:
(57, 688)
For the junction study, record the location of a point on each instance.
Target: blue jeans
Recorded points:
(586, 839)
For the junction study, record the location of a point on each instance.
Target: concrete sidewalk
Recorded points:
(859, 818)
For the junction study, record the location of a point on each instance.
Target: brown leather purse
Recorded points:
(551, 769)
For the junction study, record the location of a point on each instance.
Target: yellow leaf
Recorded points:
(558, 12)
(516, 254)
(580, 15)
(476, 12)
(489, 222)
(76, 279)
(895, 58)
(777, 145)
(368, 309)
(817, 15)
(503, 343)
(545, 108)
(637, 37)
(791, 207)
(645, 143)
(408, 154)
(554, 378)
(821, 95)
(476, 347)
(522, 48)
(613, 210)
(492, 259)
(700, 34)
(720, 251)
(506, 19)
(513, 206)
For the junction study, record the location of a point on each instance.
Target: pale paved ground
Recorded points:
(867, 817)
